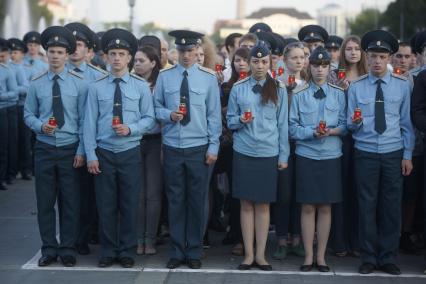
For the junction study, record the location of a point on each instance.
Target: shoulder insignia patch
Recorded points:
(401, 77)
(97, 68)
(304, 87)
(242, 81)
(76, 74)
(39, 76)
(168, 68)
(360, 78)
(336, 87)
(207, 70)
(137, 77)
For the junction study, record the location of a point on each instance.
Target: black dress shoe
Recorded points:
(173, 263)
(10, 181)
(46, 260)
(306, 267)
(264, 267)
(126, 262)
(106, 262)
(194, 263)
(244, 266)
(68, 260)
(2, 186)
(83, 249)
(25, 177)
(390, 268)
(366, 268)
(323, 268)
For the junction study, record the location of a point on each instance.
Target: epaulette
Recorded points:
(39, 76)
(360, 78)
(399, 76)
(97, 68)
(304, 87)
(241, 81)
(102, 77)
(75, 74)
(137, 77)
(168, 68)
(4, 65)
(336, 87)
(415, 70)
(207, 70)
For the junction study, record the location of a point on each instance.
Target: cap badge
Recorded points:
(13, 45)
(311, 34)
(56, 38)
(183, 41)
(320, 56)
(74, 33)
(378, 43)
(33, 38)
(259, 54)
(333, 44)
(117, 41)
(258, 30)
(199, 41)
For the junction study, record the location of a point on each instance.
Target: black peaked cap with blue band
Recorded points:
(320, 56)
(334, 42)
(185, 39)
(83, 33)
(379, 41)
(119, 39)
(313, 33)
(17, 44)
(58, 36)
(32, 37)
(260, 50)
(260, 27)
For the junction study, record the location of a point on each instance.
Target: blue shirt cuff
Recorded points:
(283, 158)
(213, 149)
(407, 155)
(91, 156)
(133, 129)
(38, 125)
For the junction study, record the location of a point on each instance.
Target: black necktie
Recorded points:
(117, 109)
(184, 98)
(379, 108)
(319, 94)
(76, 69)
(31, 61)
(257, 89)
(58, 108)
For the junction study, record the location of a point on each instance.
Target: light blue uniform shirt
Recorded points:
(205, 125)
(267, 134)
(399, 132)
(306, 112)
(37, 65)
(138, 114)
(38, 108)
(8, 86)
(22, 81)
(89, 72)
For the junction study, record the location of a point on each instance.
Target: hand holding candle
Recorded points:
(357, 118)
(341, 74)
(182, 108)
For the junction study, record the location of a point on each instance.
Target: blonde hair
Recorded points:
(210, 55)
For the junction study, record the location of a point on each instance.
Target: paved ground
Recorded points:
(20, 242)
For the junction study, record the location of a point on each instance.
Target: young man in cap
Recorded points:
(32, 59)
(54, 111)
(23, 77)
(119, 112)
(313, 35)
(333, 45)
(384, 141)
(187, 103)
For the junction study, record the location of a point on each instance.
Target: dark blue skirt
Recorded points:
(254, 178)
(318, 181)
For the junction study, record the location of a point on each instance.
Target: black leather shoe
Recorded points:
(366, 268)
(306, 267)
(323, 268)
(68, 260)
(25, 177)
(46, 260)
(194, 263)
(126, 262)
(264, 267)
(2, 186)
(173, 263)
(390, 268)
(106, 262)
(83, 249)
(244, 266)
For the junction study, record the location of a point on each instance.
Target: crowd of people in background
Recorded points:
(317, 138)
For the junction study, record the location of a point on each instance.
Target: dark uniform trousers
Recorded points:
(3, 143)
(117, 195)
(185, 173)
(56, 180)
(88, 216)
(12, 152)
(24, 145)
(379, 182)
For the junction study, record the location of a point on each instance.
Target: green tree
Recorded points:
(367, 20)
(413, 17)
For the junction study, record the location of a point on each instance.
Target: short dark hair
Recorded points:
(230, 40)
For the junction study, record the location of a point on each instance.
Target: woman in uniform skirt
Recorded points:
(317, 122)
(258, 115)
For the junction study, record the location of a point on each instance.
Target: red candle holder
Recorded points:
(116, 120)
(291, 79)
(280, 71)
(52, 121)
(341, 74)
(182, 108)
(218, 67)
(243, 75)
(247, 114)
(274, 74)
(397, 71)
(357, 113)
(322, 125)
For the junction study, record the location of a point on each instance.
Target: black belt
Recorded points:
(147, 137)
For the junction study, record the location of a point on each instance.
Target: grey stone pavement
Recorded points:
(20, 243)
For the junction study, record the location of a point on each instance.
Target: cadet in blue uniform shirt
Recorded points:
(318, 152)
(119, 112)
(384, 141)
(190, 144)
(57, 94)
(8, 90)
(32, 59)
(85, 40)
(23, 76)
(260, 148)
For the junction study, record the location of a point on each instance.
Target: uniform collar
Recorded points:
(61, 75)
(316, 87)
(82, 67)
(385, 78)
(125, 77)
(254, 81)
(190, 70)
